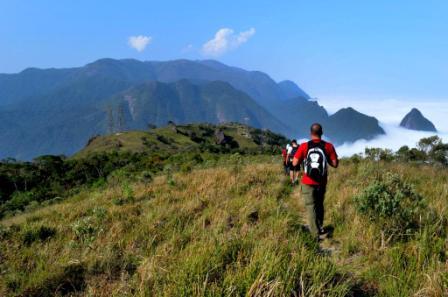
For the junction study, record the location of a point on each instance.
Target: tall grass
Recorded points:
(219, 231)
(227, 227)
(417, 264)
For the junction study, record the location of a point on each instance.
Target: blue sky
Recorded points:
(339, 49)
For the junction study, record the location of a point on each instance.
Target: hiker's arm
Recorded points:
(334, 160)
(295, 161)
(334, 163)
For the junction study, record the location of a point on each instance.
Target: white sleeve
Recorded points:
(290, 150)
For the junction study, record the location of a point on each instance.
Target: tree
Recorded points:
(439, 153)
(434, 149)
(428, 143)
(403, 154)
(378, 154)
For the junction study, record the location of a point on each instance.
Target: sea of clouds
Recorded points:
(389, 113)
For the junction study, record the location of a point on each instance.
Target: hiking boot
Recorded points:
(323, 236)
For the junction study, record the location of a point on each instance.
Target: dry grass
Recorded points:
(212, 232)
(414, 267)
(234, 230)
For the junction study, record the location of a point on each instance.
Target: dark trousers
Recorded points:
(286, 168)
(314, 197)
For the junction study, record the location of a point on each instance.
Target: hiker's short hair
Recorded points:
(294, 141)
(316, 129)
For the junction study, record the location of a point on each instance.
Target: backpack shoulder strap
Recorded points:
(310, 145)
(322, 145)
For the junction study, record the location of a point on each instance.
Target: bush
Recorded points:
(4, 232)
(18, 201)
(393, 204)
(62, 282)
(127, 195)
(145, 176)
(40, 233)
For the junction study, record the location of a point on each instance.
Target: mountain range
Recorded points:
(56, 111)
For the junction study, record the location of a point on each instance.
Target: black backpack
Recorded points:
(293, 153)
(315, 163)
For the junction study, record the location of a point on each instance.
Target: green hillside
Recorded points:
(203, 210)
(48, 179)
(177, 138)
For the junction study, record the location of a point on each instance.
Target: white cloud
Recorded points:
(395, 138)
(139, 42)
(389, 112)
(225, 40)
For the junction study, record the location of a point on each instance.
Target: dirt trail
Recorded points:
(329, 245)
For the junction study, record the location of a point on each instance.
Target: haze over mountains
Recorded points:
(56, 111)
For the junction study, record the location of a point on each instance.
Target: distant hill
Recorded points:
(348, 125)
(184, 102)
(414, 120)
(62, 122)
(55, 111)
(299, 113)
(178, 138)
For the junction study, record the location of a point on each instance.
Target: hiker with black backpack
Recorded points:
(293, 169)
(315, 155)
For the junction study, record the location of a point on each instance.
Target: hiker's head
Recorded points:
(294, 142)
(316, 130)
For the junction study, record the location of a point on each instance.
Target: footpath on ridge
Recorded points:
(329, 245)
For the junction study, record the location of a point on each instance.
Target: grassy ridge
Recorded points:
(218, 231)
(183, 137)
(233, 228)
(48, 179)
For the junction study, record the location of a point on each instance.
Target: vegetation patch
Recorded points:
(68, 279)
(37, 233)
(393, 204)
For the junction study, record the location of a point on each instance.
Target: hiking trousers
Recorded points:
(313, 197)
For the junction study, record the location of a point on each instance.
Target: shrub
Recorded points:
(87, 228)
(18, 201)
(127, 195)
(33, 205)
(62, 282)
(145, 176)
(391, 203)
(40, 233)
(4, 232)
